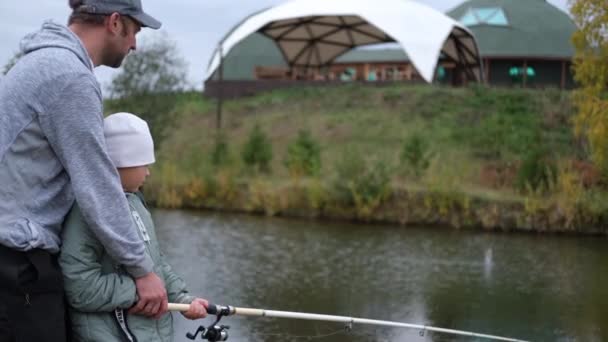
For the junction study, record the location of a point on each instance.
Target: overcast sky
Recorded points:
(195, 25)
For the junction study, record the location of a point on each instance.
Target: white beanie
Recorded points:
(128, 140)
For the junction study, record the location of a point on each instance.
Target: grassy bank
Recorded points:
(474, 157)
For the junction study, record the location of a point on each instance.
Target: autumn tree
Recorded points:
(591, 74)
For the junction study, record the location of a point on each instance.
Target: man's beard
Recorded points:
(113, 59)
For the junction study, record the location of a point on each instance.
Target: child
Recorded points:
(99, 290)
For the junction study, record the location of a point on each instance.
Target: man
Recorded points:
(52, 152)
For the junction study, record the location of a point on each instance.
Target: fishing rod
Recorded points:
(215, 332)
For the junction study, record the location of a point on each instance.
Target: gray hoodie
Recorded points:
(52, 152)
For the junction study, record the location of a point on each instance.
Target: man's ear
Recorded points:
(114, 24)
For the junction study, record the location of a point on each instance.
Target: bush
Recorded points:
(372, 188)
(537, 171)
(501, 122)
(415, 154)
(169, 194)
(257, 152)
(362, 183)
(220, 155)
(303, 156)
(349, 167)
(265, 197)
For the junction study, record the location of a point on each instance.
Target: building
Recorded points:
(524, 42)
(521, 42)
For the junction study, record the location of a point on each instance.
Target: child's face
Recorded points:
(132, 178)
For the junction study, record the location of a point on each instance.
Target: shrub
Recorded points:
(257, 152)
(500, 123)
(303, 156)
(364, 183)
(220, 155)
(537, 171)
(415, 154)
(196, 192)
(372, 188)
(349, 167)
(169, 194)
(265, 197)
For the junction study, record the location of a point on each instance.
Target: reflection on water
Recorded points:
(488, 263)
(542, 288)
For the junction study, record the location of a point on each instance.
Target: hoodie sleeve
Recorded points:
(87, 287)
(73, 125)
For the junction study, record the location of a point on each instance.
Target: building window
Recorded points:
(485, 16)
(349, 74)
(517, 74)
(441, 73)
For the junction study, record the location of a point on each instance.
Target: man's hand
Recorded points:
(152, 296)
(198, 309)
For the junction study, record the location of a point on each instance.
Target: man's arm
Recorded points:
(87, 288)
(73, 125)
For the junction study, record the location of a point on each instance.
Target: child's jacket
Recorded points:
(97, 288)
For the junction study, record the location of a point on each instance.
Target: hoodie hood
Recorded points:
(53, 35)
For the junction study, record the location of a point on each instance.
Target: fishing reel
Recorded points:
(214, 332)
(211, 333)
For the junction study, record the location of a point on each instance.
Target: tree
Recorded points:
(148, 84)
(11, 62)
(257, 151)
(591, 73)
(303, 155)
(415, 154)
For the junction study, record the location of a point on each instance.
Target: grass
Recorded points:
(468, 131)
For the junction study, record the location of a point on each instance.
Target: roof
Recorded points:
(300, 20)
(258, 50)
(535, 28)
(255, 50)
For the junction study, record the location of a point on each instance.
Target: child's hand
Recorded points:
(198, 309)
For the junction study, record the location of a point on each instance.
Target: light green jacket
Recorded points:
(95, 285)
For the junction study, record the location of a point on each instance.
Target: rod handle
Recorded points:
(178, 307)
(212, 309)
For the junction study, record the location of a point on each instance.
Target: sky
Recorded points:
(195, 25)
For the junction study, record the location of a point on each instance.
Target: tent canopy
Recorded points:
(313, 33)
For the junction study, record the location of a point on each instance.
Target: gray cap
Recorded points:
(132, 8)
